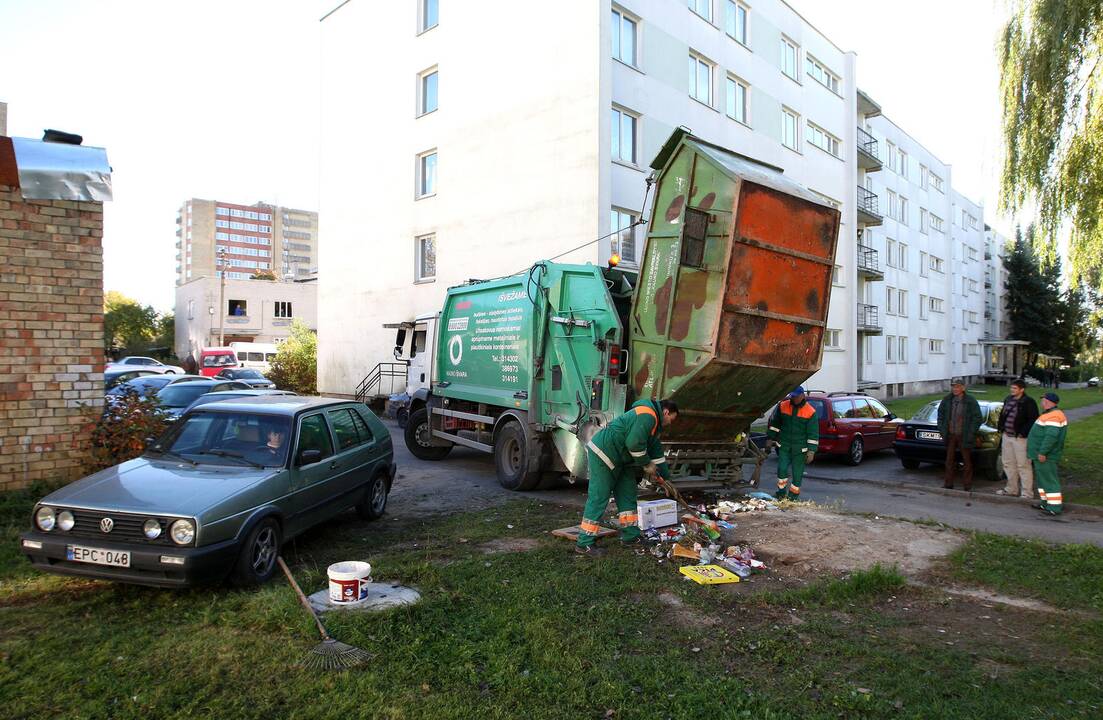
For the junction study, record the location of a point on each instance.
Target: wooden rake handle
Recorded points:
(302, 598)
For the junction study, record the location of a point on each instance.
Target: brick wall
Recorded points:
(51, 334)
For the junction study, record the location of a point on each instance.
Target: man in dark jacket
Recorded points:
(1017, 417)
(958, 421)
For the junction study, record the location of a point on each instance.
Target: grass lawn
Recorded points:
(504, 632)
(1081, 471)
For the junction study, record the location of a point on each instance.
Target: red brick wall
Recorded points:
(51, 334)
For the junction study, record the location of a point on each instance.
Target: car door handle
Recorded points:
(333, 464)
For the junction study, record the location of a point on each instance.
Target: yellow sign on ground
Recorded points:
(709, 574)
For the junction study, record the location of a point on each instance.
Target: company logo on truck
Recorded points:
(510, 296)
(455, 349)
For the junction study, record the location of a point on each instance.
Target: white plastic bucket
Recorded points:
(348, 581)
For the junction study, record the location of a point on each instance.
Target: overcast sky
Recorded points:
(218, 99)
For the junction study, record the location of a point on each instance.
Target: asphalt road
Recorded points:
(465, 480)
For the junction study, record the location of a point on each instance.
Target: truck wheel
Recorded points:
(516, 459)
(417, 435)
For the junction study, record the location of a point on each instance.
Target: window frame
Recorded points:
(422, 78)
(421, 174)
(731, 10)
(811, 60)
(423, 15)
(813, 129)
(693, 6)
(731, 82)
(616, 232)
(787, 44)
(787, 112)
(827, 337)
(622, 16)
(618, 114)
(698, 60)
(419, 268)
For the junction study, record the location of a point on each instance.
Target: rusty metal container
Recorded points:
(733, 292)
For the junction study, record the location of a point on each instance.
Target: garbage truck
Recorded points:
(726, 315)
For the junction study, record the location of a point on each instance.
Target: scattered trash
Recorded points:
(708, 574)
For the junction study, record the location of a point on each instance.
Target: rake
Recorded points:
(329, 654)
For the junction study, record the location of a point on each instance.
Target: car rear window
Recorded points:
(843, 409)
(927, 413)
(181, 395)
(818, 405)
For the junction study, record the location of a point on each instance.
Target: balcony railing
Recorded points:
(869, 264)
(867, 207)
(868, 159)
(869, 319)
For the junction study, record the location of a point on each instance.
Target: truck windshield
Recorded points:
(230, 439)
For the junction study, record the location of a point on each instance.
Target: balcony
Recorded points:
(869, 322)
(866, 106)
(867, 207)
(868, 264)
(868, 159)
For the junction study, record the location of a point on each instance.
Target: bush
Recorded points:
(296, 364)
(120, 432)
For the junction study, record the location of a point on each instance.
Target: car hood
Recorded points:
(156, 486)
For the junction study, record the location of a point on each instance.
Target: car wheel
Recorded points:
(516, 458)
(256, 561)
(375, 498)
(909, 463)
(417, 437)
(402, 416)
(856, 452)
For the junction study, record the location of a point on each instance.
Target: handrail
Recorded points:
(372, 384)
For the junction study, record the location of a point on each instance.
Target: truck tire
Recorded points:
(516, 458)
(417, 438)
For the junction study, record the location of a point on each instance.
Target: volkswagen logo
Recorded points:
(107, 524)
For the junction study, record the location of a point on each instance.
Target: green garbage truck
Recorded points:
(726, 314)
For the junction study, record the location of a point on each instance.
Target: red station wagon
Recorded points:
(852, 424)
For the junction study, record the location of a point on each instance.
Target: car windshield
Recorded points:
(179, 395)
(230, 439)
(927, 413)
(142, 385)
(219, 360)
(246, 375)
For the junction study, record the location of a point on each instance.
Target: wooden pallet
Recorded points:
(571, 533)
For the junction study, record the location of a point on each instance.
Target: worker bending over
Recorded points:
(615, 455)
(795, 429)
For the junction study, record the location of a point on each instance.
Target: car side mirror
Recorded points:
(309, 457)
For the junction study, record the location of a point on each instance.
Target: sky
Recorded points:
(219, 99)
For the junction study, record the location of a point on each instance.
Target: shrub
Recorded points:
(120, 432)
(295, 366)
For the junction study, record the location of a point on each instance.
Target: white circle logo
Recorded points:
(455, 349)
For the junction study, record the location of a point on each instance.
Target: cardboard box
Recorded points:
(657, 513)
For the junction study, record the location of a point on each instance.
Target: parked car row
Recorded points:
(919, 440)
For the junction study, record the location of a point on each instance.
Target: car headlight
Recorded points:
(151, 529)
(65, 521)
(182, 532)
(44, 518)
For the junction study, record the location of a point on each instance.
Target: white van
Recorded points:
(257, 356)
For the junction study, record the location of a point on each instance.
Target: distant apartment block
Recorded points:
(255, 238)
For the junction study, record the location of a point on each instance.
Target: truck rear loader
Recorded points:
(726, 315)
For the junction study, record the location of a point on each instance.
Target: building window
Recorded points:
(735, 22)
(867, 349)
(924, 264)
(427, 92)
(893, 158)
(821, 74)
(903, 164)
(425, 262)
(937, 347)
(902, 256)
(790, 129)
(832, 339)
(937, 223)
(736, 99)
(890, 253)
(790, 57)
(429, 14)
(837, 275)
(427, 174)
(923, 177)
(902, 303)
(936, 183)
(936, 304)
(923, 305)
(903, 218)
(890, 294)
(624, 38)
(924, 346)
(890, 348)
(902, 348)
(622, 223)
(700, 79)
(237, 307)
(624, 136)
(924, 222)
(702, 8)
(822, 139)
(937, 264)
(894, 208)
(282, 309)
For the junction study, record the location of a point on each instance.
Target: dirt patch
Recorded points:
(507, 545)
(806, 541)
(988, 597)
(675, 610)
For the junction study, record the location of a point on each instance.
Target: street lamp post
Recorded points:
(222, 299)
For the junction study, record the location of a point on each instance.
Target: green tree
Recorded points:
(1029, 304)
(126, 324)
(295, 366)
(1051, 81)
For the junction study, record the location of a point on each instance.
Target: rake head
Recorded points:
(332, 654)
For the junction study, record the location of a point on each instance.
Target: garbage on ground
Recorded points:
(708, 574)
(726, 509)
(656, 513)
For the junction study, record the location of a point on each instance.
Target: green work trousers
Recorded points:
(621, 483)
(789, 463)
(1049, 488)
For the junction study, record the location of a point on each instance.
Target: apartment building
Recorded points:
(258, 237)
(480, 178)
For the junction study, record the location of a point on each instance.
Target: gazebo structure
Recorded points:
(1004, 360)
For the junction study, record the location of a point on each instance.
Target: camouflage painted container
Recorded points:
(732, 300)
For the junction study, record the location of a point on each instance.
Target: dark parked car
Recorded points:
(111, 378)
(852, 424)
(149, 384)
(231, 394)
(175, 398)
(218, 494)
(249, 376)
(919, 441)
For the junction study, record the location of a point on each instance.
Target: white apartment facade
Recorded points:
(487, 166)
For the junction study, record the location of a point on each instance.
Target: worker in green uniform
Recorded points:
(616, 454)
(795, 429)
(1044, 446)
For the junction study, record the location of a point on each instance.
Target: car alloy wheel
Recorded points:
(264, 551)
(857, 452)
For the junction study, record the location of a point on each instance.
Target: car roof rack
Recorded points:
(847, 392)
